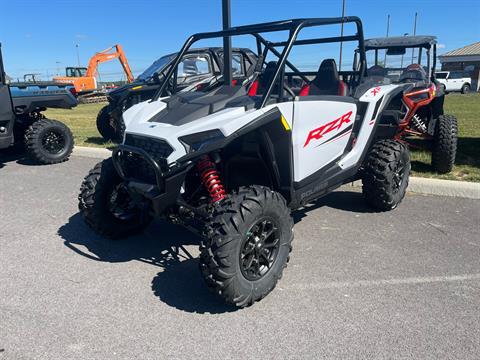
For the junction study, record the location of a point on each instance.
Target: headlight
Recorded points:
(198, 141)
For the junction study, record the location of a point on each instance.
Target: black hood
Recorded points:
(187, 107)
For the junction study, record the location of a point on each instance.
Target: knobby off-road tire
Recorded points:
(237, 238)
(105, 128)
(445, 144)
(106, 205)
(386, 174)
(48, 141)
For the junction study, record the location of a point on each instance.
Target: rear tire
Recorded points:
(386, 174)
(247, 245)
(108, 126)
(48, 141)
(465, 89)
(445, 144)
(106, 206)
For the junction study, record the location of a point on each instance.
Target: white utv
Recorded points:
(233, 162)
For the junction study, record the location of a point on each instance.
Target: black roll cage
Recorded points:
(294, 26)
(2, 70)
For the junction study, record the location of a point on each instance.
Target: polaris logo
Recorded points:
(336, 124)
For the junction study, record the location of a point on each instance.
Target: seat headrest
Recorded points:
(327, 73)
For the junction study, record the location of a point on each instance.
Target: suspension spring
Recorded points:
(419, 124)
(210, 178)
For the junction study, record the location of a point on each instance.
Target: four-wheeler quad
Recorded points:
(200, 69)
(422, 105)
(23, 125)
(233, 162)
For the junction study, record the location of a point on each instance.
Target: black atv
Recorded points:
(22, 124)
(199, 70)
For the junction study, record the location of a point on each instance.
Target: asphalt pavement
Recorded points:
(360, 284)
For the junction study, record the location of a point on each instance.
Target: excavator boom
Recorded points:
(88, 83)
(108, 55)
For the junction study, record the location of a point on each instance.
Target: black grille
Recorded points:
(156, 148)
(137, 168)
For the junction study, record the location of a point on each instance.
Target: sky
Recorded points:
(40, 36)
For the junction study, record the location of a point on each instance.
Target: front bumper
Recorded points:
(153, 180)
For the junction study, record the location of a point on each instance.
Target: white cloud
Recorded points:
(81, 36)
(441, 46)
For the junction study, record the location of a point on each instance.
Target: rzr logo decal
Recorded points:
(323, 130)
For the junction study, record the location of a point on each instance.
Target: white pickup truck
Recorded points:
(455, 81)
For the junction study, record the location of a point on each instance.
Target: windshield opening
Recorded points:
(156, 67)
(395, 67)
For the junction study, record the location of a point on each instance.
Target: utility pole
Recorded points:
(58, 67)
(401, 65)
(227, 43)
(341, 35)
(388, 31)
(78, 55)
(414, 33)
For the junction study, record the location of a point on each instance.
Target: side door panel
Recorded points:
(321, 131)
(6, 116)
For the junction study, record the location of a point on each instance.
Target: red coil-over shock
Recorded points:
(210, 178)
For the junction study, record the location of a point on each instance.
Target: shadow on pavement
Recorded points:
(351, 201)
(179, 284)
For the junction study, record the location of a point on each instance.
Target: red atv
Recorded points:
(421, 105)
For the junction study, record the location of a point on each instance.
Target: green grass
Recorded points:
(82, 121)
(465, 107)
(467, 165)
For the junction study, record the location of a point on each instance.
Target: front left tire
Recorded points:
(107, 206)
(247, 245)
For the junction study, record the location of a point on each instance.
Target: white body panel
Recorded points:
(320, 130)
(227, 121)
(317, 134)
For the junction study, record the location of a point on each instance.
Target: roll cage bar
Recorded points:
(294, 26)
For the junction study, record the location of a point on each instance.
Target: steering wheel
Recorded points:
(289, 90)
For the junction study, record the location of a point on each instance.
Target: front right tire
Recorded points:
(106, 205)
(247, 245)
(445, 141)
(385, 175)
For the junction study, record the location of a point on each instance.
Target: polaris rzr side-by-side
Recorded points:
(412, 60)
(199, 69)
(22, 124)
(233, 162)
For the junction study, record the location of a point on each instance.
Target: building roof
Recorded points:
(473, 49)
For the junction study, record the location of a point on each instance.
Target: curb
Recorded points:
(416, 185)
(91, 152)
(452, 188)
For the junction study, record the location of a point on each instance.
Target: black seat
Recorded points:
(326, 82)
(266, 77)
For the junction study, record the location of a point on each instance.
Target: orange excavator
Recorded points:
(85, 79)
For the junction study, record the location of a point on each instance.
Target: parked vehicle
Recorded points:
(22, 123)
(85, 79)
(199, 70)
(421, 106)
(233, 162)
(455, 81)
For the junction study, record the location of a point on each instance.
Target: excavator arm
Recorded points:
(108, 55)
